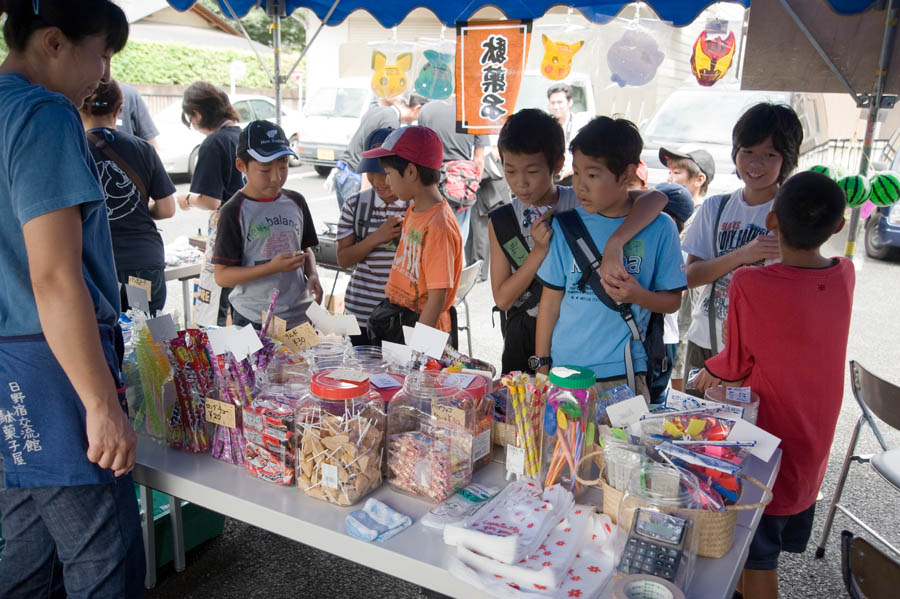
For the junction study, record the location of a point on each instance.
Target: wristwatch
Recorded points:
(535, 362)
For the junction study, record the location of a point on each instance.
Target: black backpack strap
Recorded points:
(711, 306)
(365, 205)
(514, 246)
(588, 259)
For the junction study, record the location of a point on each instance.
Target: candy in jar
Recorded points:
(340, 424)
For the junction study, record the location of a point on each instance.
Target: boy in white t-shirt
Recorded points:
(730, 231)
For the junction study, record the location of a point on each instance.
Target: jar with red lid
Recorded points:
(340, 426)
(430, 436)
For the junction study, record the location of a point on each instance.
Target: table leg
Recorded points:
(177, 533)
(149, 532)
(186, 299)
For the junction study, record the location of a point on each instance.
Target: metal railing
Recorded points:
(844, 155)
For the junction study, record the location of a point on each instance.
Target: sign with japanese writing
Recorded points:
(490, 62)
(220, 412)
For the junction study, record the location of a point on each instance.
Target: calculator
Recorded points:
(655, 544)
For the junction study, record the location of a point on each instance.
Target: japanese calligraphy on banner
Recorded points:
(490, 62)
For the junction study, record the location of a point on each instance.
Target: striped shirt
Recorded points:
(366, 287)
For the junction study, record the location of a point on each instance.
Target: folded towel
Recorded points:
(512, 525)
(376, 522)
(590, 571)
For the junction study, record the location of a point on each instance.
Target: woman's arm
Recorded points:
(198, 200)
(53, 242)
(162, 208)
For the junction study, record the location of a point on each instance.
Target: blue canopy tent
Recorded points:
(839, 57)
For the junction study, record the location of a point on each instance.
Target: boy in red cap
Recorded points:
(429, 259)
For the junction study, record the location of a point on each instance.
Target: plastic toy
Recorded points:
(884, 189)
(712, 58)
(633, 59)
(435, 80)
(821, 168)
(856, 188)
(557, 61)
(389, 81)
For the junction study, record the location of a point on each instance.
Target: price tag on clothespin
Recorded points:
(301, 338)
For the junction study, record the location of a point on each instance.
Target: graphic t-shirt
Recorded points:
(526, 215)
(739, 225)
(252, 232)
(429, 256)
(589, 334)
(787, 338)
(45, 165)
(366, 287)
(137, 243)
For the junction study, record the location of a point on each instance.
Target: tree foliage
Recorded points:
(257, 23)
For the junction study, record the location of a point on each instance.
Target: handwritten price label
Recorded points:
(142, 284)
(301, 338)
(219, 412)
(448, 413)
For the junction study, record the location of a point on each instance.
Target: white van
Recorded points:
(330, 118)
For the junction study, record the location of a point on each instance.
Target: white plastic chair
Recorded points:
(467, 280)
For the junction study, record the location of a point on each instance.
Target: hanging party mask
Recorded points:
(435, 80)
(711, 58)
(557, 62)
(389, 81)
(633, 59)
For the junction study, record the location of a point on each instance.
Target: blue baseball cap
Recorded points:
(681, 203)
(375, 139)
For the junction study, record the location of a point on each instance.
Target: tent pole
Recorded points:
(872, 124)
(313, 38)
(276, 43)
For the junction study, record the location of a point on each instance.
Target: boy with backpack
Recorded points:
(426, 269)
(368, 232)
(600, 322)
(532, 147)
(788, 325)
(730, 230)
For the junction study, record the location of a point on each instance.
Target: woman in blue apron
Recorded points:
(69, 513)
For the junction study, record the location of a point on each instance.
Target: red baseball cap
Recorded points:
(420, 145)
(642, 172)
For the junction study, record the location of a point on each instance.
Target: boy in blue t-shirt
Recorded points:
(574, 327)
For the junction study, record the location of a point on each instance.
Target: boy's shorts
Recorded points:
(779, 533)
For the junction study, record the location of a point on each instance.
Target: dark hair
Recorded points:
(533, 131)
(427, 176)
(809, 207)
(245, 157)
(210, 102)
(560, 87)
(691, 167)
(777, 121)
(617, 141)
(416, 100)
(106, 99)
(77, 20)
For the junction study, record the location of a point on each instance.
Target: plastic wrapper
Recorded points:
(340, 426)
(569, 426)
(187, 427)
(431, 430)
(392, 73)
(524, 414)
(435, 68)
(154, 369)
(233, 380)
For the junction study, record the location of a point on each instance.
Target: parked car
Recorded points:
(695, 116)
(882, 235)
(330, 118)
(178, 144)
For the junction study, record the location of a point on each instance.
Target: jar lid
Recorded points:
(339, 383)
(572, 377)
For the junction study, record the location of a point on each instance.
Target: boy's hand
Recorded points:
(287, 262)
(612, 263)
(623, 289)
(389, 229)
(704, 380)
(313, 285)
(764, 247)
(541, 232)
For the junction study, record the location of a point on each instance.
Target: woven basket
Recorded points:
(715, 530)
(501, 433)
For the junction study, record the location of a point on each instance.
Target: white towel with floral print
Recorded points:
(591, 569)
(510, 527)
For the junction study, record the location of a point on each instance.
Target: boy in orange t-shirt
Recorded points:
(429, 259)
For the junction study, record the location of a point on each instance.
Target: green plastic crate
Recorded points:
(200, 525)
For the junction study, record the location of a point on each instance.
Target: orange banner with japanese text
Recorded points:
(490, 63)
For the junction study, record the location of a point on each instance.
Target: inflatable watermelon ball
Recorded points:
(821, 168)
(856, 190)
(884, 189)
